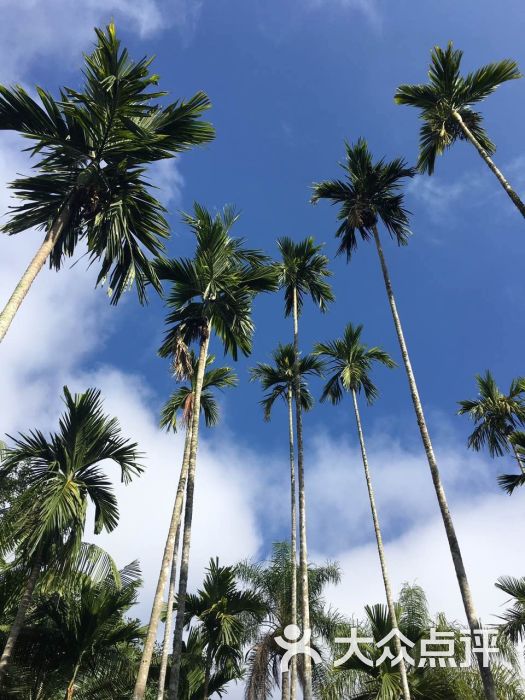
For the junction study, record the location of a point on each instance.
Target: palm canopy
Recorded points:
(63, 475)
(448, 92)
(222, 611)
(304, 269)
(496, 415)
(350, 362)
(181, 400)
(370, 192)
(278, 379)
(215, 289)
(93, 147)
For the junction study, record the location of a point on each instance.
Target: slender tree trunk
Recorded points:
(285, 685)
(291, 676)
(457, 558)
(17, 297)
(303, 549)
(188, 515)
(169, 615)
(207, 673)
(167, 558)
(71, 685)
(518, 203)
(381, 550)
(18, 622)
(519, 458)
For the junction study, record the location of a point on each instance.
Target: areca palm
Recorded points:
(272, 581)
(497, 417)
(223, 611)
(45, 524)
(303, 272)
(370, 193)
(446, 103)
(181, 401)
(93, 148)
(210, 293)
(278, 380)
(350, 362)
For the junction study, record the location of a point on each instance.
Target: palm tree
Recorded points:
(223, 611)
(369, 193)
(446, 109)
(513, 627)
(497, 418)
(509, 482)
(272, 582)
(278, 381)
(213, 292)
(45, 524)
(94, 147)
(181, 401)
(303, 271)
(350, 363)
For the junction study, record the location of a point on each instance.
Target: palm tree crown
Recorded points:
(369, 193)
(93, 148)
(182, 399)
(350, 363)
(278, 379)
(304, 269)
(496, 415)
(447, 93)
(215, 288)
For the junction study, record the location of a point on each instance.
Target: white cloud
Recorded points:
(165, 175)
(59, 30)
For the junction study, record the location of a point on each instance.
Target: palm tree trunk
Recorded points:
(291, 676)
(167, 558)
(17, 297)
(169, 615)
(457, 558)
(381, 550)
(18, 622)
(518, 203)
(303, 549)
(518, 457)
(71, 685)
(188, 515)
(207, 673)
(285, 685)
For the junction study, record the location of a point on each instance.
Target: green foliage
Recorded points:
(278, 379)
(93, 147)
(350, 363)
(447, 93)
(369, 193)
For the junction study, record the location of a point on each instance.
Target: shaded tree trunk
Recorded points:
(285, 685)
(453, 543)
(303, 549)
(71, 685)
(22, 288)
(381, 550)
(169, 614)
(519, 458)
(188, 515)
(207, 673)
(291, 676)
(18, 623)
(167, 559)
(518, 203)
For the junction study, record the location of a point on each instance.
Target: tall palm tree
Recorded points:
(446, 109)
(272, 581)
(510, 482)
(181, 401)
(278, 381)
(94, 147)
(212, 292)
(513, 626)
(303, 271)
(370, 193)
(45, 524)
(497, 416)
(222, 612)
(350, 363)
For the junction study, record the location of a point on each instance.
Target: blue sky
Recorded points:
(289, 82)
